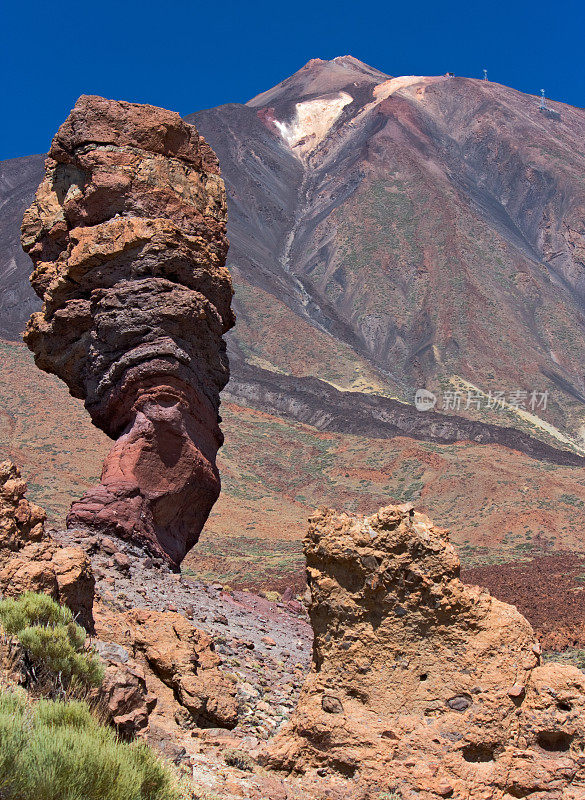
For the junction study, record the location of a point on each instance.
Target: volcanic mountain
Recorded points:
(387, 234)
(394, 233)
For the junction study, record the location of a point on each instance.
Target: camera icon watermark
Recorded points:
(424, 400)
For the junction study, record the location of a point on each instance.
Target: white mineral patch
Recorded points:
(312, 121)
(384, 90)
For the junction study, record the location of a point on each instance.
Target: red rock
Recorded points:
(126, 698)
(288, 594)
(108, 546)
(127, 235)
(121, 562)
(517, 691)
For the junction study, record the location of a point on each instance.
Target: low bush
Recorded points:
(238, 759)
(54, 750)
(52, 640)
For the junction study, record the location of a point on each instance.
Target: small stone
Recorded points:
(331, 705)
(460, 702)
(121, 562)
(111, 652)
(109, 546)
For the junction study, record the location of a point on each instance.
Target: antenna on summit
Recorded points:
(550, 113)
(485, 74)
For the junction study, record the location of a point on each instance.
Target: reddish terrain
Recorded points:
(275, 473)
(549, 591)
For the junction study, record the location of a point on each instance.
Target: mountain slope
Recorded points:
(394, 233)
(19, 178)
(427, 231)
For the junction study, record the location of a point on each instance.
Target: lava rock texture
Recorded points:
(31, 561)
(423, 685)
(127, 236)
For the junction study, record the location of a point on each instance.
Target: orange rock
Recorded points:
(31, 561)
(125, 696)
(180, 657)
(421, 684)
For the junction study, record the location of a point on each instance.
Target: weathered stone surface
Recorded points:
(127, 236)
(31, 561)
(125, 695)
(178, 656)
(421, 684)
(21, 521)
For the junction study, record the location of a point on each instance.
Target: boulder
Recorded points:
(125, 697)
(174, 653)
(31, 561)
(420, 684)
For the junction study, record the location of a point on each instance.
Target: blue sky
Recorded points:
(186, 55)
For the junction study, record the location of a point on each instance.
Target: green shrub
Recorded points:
(51, 638)
(53, 750)
(238, 759)
(32, 608)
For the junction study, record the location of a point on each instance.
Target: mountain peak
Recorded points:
(319, 77)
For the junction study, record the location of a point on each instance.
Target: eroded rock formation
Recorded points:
(127, 236)
(180, 665)
(423, 685)
(31, 561)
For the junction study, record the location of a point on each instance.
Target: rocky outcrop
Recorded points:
(127, 236)
(178, 657)
(423, 685)
(31, 561)
(123, 692)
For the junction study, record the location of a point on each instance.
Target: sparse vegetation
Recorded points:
(573, 656)
(53, 750)
(238, 759)
(53, 643)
